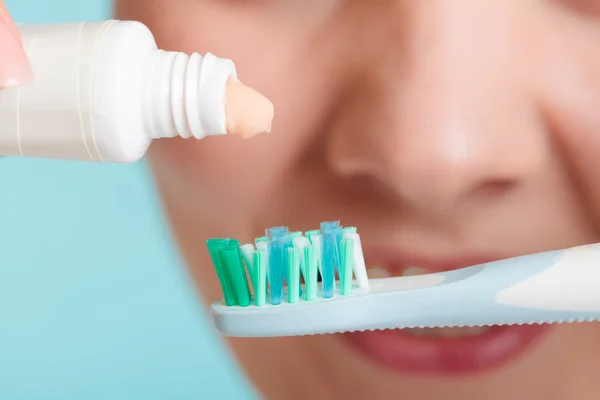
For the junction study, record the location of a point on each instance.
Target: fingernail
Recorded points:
(15, 69)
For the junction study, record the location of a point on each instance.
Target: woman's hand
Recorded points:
(14, 66)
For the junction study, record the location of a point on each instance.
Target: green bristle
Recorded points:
(293, 270)
(215, 249)
(233, 243)
(347, 265)
(310, 262)
(312, 233)
(238, 274)
(349, 229)
(260, 277)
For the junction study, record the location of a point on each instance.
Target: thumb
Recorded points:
(15, 69)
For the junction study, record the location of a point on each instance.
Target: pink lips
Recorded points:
(400, 351)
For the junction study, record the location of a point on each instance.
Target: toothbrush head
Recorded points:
(289, 267)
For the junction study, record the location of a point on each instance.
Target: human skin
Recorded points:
(14, 66)
(445, 128)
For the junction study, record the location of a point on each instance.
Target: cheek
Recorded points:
(571, 96)
(226, 175)
(220, 173)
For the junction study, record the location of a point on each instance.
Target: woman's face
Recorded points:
(449, 132)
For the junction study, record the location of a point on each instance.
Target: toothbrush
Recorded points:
(549, 287)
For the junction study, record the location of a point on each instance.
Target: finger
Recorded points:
(15, 69)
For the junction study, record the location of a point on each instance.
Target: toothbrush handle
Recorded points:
(555, 286)
(570, 282)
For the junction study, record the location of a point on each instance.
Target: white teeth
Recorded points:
(378, 272)
(411, 271)
(449, 332)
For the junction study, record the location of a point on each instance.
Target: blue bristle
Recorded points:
(286, 241)
(329, 227)
(329, 255)
(275, 267)
(337, 231)
(279, 242)
(334, 228)
(276, 232)
(275, 272)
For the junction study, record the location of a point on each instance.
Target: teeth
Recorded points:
(449, 332)
(378, 272)
(411, 271)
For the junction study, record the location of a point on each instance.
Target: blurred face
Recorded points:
(449, 132)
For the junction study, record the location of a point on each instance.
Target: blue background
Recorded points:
(94, 301)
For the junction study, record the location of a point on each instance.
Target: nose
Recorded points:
(447, 112)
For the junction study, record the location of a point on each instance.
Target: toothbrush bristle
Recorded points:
(285, 266)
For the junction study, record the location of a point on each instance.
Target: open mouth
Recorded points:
(440, 350)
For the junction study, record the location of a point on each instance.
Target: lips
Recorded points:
(439, 350)
(402, 352)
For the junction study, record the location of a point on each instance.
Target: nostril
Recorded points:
(495, 188)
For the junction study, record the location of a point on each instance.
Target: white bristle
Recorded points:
(300, 243)
(360, 269)
(261, 245)
(247, 251)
